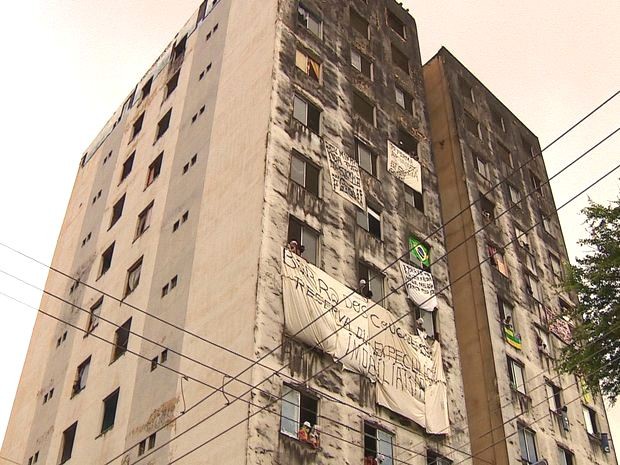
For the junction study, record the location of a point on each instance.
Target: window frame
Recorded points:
(163, 125)
(364, 108)
(144, 220)
(366, 224)
(110, 407)
(374, 279)
(512, 374)
(127, 166)
(307, 107)
(391, 15)
(407, 99)
(136, 267)
(366, 65)
(357, 21)
(524, 434)
(93, 316)
(305, 229)
(154, 169)
(370, 157)
(106, 259)
(117, 211)
(374, 431)
(136, 126)
(81, 377)
(68, 437)
(590, 421)
(304, 163)
(400, 59)
(300, 415)
(302, 11)
(121, 340)
(305, 59)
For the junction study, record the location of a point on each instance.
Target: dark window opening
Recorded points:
(377, 445)
(93, 317)
(408, 143)
(400, 59)
(137, 126)
(307, 114)
(81, 376)
(305, 173)
(487, 208)
(414, 198)
(144, 220)
(299, 415)
(472, 125)
(396, 24)
(309, 20)
(133, 277)
(359, 23)
(106, 259)
(404, 100)
(163, 124)
(306, 238)
(366, 158)
(121, 340)
(363, 108)
(117, 211)
(109, 411)
(146, 89)
(370, 220)
(127, 166)
(154, 169)
(362, 63)
(433, 458)
(178, 51)
(172, 84)
(374, 281)
(68, 438)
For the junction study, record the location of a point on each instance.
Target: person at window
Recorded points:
(542, 347)
(508, 322)
(564, 417)
(304, 432)
(420, 327)
(365, 289)
(313, 437)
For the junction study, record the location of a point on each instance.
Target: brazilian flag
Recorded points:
(512, 338)
(419, 251)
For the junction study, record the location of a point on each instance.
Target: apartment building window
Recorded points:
(498, 119)
(374, 279)
(487, 208)
(506, 314)
(304, 173)
(307, 114)
(178, 50)
(589, 417)
(133, 277)
(147, 444)
(34, 459)
(121, 340)
(172, 84)
(127, 166)
(144, 220)
(497, 259)
(566, 457)
(556, 268)
(297, 408)
(428, 320)
(154, 169)
(366, 158)
(527, 443)
(117, 211)
(414, 198)
(514, 194)
(164, 124)
(466, 89)
(306, 237)
(536, 184)
(516, 372)
(504, 155)
(309, 20)
(532, 287)
(433, 458)
(400, 59)
(364, 108)
(359, 23)
(408, 143)
(522, 238)
(545, 221)
(81, 375)
(472, 126)
(106, 259)
(109, 411)
(146, 89)
(482, 166)
(93, 317)
(404, 100)
(137, 126)
(362, 63)
(68, 438)
(308, 65)
(554, 396)
(370, 220)
(396, 24)
(378, 443)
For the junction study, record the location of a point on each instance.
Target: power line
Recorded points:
(178, 372)
(279, 371)
(253, 363)
(387, 327)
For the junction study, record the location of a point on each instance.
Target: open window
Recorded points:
(106, 259)
(396, 24)
(370, 220)
(117, 211)
(527, 443)
(305, 173)
(306, 238)
(109, 411)
(362, 63)
(309, 20)
(399, 59)
(93, 317)
(299, 415)
(516, 372)
(363, 108)
(121, 340)
(404, 100)
(374, 281)
(81, 375)
(366, 158)
(307, 114)
(68, 439)
(359, 23)
(308, 65)
(133, 277)
(378, 445)
(589, 417)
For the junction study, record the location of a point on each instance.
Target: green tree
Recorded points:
(594, 354)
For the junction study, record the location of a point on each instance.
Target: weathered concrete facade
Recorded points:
(218, 205)
(477, 142)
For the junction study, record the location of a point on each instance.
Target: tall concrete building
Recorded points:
(264, 126)
(506, 310)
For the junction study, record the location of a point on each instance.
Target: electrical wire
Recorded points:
(388, 326)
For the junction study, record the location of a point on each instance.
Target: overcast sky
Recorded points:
(67, 65)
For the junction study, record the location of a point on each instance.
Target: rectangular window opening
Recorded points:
(306, 238)
(109, 411)
(121, 340)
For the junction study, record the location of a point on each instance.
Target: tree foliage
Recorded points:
(594, 354)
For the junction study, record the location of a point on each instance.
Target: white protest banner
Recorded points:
(408, 373)
(419, 285)
(404, 167)
(345, 175)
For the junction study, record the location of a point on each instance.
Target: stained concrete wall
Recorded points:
(490, 400)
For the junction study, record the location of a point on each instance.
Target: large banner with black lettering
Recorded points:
(420, 286)
(345, 175)
(365, 338)
(404, 167)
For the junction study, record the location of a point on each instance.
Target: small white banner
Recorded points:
(404, 167)
(345, 175)
(420, 286)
